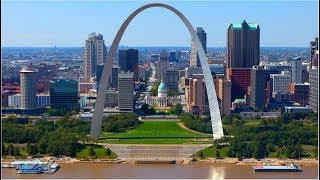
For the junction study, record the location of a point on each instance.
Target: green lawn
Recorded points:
(156, 132)
(155, 129)
(100, 153)
(252, 123)
(210, 152)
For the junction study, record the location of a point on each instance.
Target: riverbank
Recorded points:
(252, 161)
(248, 161)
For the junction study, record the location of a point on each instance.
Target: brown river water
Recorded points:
(162, 171)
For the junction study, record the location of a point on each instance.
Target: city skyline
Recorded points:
(69, 25)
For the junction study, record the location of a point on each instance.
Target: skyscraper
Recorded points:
(114, 77)
(128, 61)
(125, 85)
(296, 65)
(313, 91)
(162, 65)
(194, 59)
(28, 88)
(99, 74)
(313, 49)
(241, 80)
(243, 45)
(95, 53)
(196, 94)
(314, 82)
(64, 94)
(171, 79)
(258, 87)
(172, 56)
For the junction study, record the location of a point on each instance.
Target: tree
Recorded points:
(32, 149)
(178, 109)
(315, 152)
(217, 154)
(91, 151)
(17, 152)
(108, 152)
(200, 154)
(11, 150)
(173, 93)
(154, 89)
(4, 150)
(278, 153)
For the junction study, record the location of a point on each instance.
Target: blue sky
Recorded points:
(66, 24)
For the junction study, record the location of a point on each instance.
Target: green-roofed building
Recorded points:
(243, 45)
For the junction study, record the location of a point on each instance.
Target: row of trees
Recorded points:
(10, 150)
(196, 123)
(63, 112)
(120, 122)
(150, 110)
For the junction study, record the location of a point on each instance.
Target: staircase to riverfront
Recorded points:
(155, 151)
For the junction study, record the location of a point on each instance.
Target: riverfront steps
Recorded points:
(155, 151)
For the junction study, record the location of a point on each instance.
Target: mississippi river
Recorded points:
(165, 171)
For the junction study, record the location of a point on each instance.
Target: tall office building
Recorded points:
(279, 86)
(125, 86)
(196, 96)
(173, 56)
(194, 59)
(128, 61)
(162, 65)
(241, 80)
(224, 96)
(114, 77)
(296, 64)
(313, 91)
(243, 45)
(95, 53)
(314, 83)
(99, 74)
(313, 49)
(258, 87)
(300, 93)
(171, 79)
(64, 94)
(28, 88)
(281, 82)
(305, 72)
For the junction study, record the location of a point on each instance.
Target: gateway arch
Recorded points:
(211, 92)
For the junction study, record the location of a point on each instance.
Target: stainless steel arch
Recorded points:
(211, 92)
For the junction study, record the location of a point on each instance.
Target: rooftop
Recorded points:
(94, 34)
(239, 26)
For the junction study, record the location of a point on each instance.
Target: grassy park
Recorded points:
(155, 132)
(99, 152)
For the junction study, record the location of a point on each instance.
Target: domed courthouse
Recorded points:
(162, 100)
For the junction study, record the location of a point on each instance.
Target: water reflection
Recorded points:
(217, 172)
